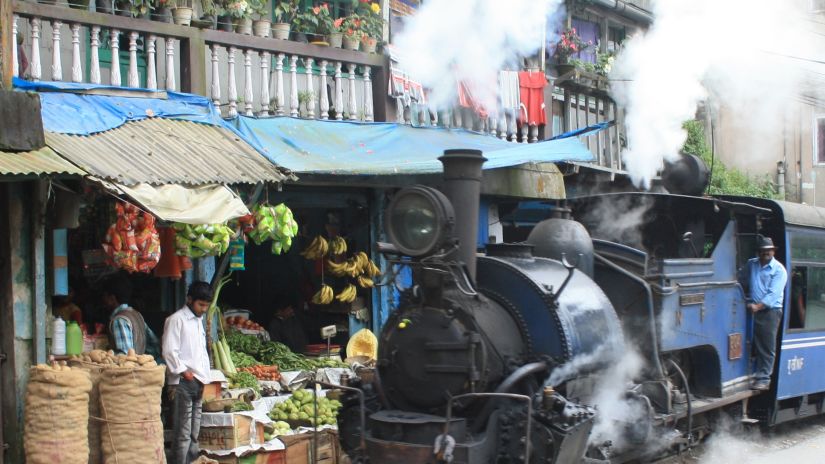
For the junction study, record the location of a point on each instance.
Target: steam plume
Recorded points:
(735, 51)
(451, 41)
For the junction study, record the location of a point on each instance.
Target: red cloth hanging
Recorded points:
(466, 100)
(531, 88)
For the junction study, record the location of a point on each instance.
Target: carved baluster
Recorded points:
(233, 90)
(446, 118)
(216, 78)
(502, 125)
(534, 134)
(134, 80)
(77, 69)
(264, 83)
(310, 88)
(457, 117)
(15, 69)
(525, 131)
(35, 64)
(293, 86)
(434, 116)
(399, 110)
(368, 109)
(279, 85)
(114, 44)
(491, 124)
(94, 69)
(57, 67)
(170, 64)
(151, 68)
(248, 96)
(339, 92)
(324, 104)
(353, 103)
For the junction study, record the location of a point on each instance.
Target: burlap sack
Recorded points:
(94, 370)
(56, 402)
(131, 430)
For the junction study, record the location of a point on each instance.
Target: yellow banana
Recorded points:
(372, 270)
(337, 269)
(339, 246)
(365, 282)
(347, 295)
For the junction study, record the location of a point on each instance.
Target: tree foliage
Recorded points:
(724, 180)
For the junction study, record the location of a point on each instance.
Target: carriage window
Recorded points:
(807, 295)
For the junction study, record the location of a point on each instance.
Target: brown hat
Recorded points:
(765, 243)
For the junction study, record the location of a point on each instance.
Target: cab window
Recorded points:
(807, 276)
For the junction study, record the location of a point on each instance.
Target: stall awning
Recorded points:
(166, 151)
(203, 204)
(349, 148)
(36, 162)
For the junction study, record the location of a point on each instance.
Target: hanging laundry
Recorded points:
(531, 89)
(509, 91)
(466, 100)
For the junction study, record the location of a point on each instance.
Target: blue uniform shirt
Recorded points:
(767, 282)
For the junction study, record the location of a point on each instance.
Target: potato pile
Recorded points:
(110, 359)
(300, 407)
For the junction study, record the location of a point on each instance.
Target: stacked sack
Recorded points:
(57, 400)
(132, 242)
(129, 390)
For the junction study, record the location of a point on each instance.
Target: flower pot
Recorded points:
(162, 15)
(281, 31)
(225, 23)
(299, 37)
(79, 4)
(182, 15)
(351, 43)
(563, 69)
(335, 39)
(123, 9)
(243, 25)
(103, 6)
(368, 45)
(209, 22)
(262, 27)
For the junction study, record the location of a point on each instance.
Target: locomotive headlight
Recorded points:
(419, 220)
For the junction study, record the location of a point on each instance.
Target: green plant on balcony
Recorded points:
(238, 9)
(570, 44)
(304, 100)
(212, 8)
(324, 21)
(284, 11)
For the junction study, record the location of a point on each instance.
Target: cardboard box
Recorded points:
(211, 391)
(227, 437)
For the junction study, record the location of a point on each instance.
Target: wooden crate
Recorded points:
(227, 437)
(211, 391)
(260, 457)
(299, 448)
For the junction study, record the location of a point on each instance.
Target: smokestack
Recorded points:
(462, 185)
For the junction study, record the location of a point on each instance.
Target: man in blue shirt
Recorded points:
(767, 279)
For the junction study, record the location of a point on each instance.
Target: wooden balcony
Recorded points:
(242, 74)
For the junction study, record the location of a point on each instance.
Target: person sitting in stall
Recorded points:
(65, 308)
(127, 329)
(286, 327)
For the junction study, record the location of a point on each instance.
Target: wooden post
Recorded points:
(7, 45)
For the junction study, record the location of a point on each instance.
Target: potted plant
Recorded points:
(569, 44)
(372, 25)
(336, 34)
(304, 24)
(261, 25)
(239, 10)
(304, 100)
(352, 34)
(212, 9)
(181, 11)
(104, 6)
(284, 13)
(324, 23)
(161, 12)
(133, 8)
(224, 17)
(79, 4)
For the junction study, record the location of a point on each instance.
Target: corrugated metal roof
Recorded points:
(42, 161)
(166, 151)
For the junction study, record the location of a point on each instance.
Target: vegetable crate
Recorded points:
(227, 437)
(299, 448)
(261, 457)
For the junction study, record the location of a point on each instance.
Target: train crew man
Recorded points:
(767, 278)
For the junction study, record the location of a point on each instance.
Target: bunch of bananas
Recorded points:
(347, 295)
(324, 295)
(317, 249)
(338, 246)
(365, 282)
(346, 268)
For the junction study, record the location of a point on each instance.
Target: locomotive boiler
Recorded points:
(619, 336)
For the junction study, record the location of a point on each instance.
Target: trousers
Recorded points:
(186, 421)
(765, 325)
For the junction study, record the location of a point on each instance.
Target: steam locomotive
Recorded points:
(619, 336)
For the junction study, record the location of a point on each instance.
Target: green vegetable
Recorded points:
(240, 359)
(216, 360)
(241, 406)
(226, 351)
(244, 380)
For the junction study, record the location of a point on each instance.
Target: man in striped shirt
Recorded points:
(127, 329)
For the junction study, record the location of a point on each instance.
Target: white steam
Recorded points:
(470, 41)
(735, 51)
(618, 219)
(615, 410)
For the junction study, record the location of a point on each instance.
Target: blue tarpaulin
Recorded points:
(69, 108)
(343, 147)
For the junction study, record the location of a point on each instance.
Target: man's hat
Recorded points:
(765, 243)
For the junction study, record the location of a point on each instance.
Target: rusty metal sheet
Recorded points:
(167, 151)
(734, 346)
(36, 162)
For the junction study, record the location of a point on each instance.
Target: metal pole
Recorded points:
(363, 442)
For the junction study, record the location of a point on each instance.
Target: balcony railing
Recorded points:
(241, 74)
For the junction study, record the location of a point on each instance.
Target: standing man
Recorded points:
(187, 361)
(767, 279)
(127, 329)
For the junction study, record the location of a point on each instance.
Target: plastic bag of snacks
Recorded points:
(197, 241)
(132, 242)
(274, 223)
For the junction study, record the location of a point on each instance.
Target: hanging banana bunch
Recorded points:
(317, 249)
(347, 295)
(338, 246)
(323, 296)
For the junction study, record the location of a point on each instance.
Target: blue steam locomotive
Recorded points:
(616, 332)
